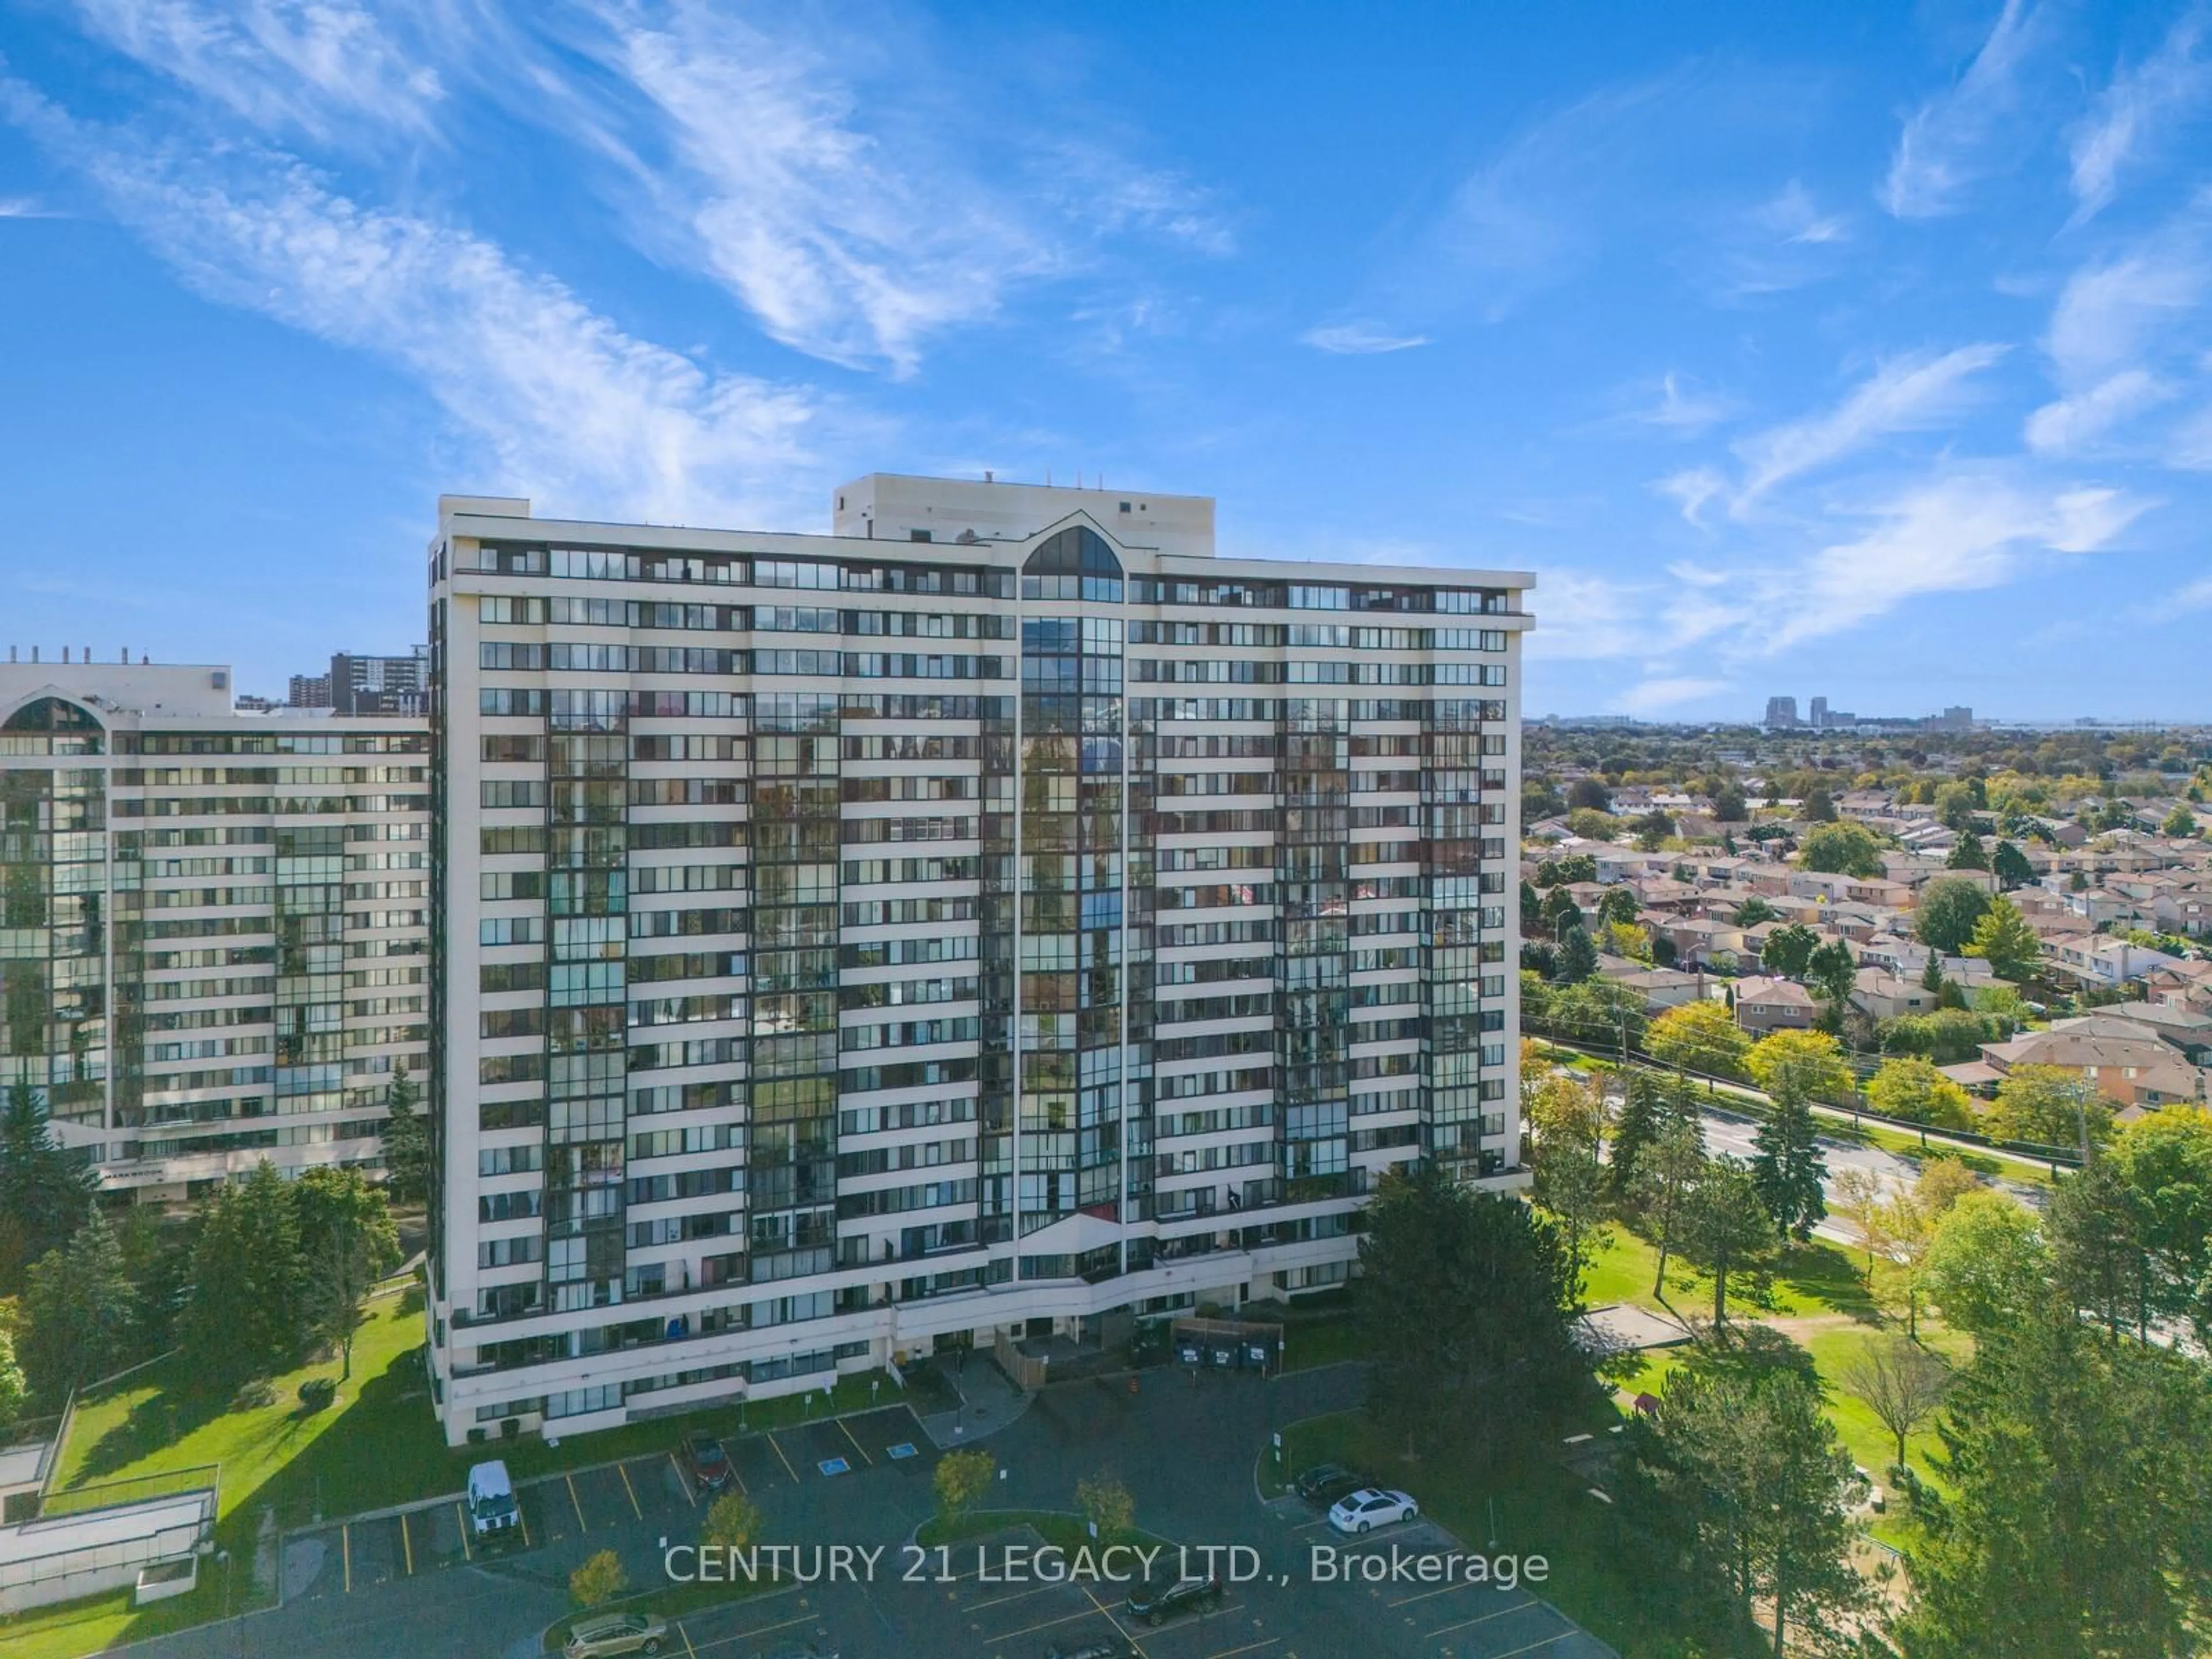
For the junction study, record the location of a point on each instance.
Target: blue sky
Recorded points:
(1857, 350)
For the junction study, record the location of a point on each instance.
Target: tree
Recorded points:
(1739, 1481)
(1465, 1307)
(1588, 794)
(600, 1578)
(1789, 1169)
(1788, 949)
(1802, 1065)
(1652, 829)
(246, 1316)
(1842, 849)
(1967, 853)
(1915, 1090)
(1575, 867)
(14, 1388)
(347, 1243)
(1754, 910)
(1617, 904)
(962, 1480)
(1642, 1110)
(1946, 1037)
(1817, 806)
(2003, 938)
(44, 1189)
(1831, 973)
(2011, 867)
(1106, 1504)
(2180, 823)
(78, 1312)
(1931, 976)
(1728, 807)
(1724, 1225)
(1699, 1037)
(406, 1141)
(1943, 1181)
(1570, 1183)
(1532, 910)
(1947, 911)
(1901, 1382)
(1577, 956)
(734, 1521)
(1861, 1201)
(1665, 1178)
(2049, 1106)
(2166, 1158)
(1561, 912)
(2097, 1226)
(2071, 1523)
(1987, 1266)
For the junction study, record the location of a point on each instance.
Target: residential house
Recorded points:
(1881, 995)
(2130, 1064)
(1660, 987)
(2098, 962)
(1764, 1005)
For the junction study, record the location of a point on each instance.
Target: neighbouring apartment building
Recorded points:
(213, 924)
(999, 916)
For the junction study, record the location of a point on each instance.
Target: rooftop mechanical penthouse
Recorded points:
(1001, 915)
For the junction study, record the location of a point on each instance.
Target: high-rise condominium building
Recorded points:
(1781, 711)
(1001, 915)
(213, 925)
(380, 685)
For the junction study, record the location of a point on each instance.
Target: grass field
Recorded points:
(1818, 1278)
(377, 1444)
(1537, 1505)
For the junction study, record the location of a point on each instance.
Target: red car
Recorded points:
(708, 1463)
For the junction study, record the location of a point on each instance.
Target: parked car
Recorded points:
(492, 1512)
(1325, 1483)
(1111, 1647)
(616, 1632)
(708, 1463)
(1187, 1595)
(1368, 1508)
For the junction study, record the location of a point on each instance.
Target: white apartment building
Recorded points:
(999, 916)
(213, 926)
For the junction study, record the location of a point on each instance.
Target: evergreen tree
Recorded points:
(406, 1141)
(44, 1190)
(347, 1243)
(2097, 1227)
(1577, 959)
(2072, 1523)
(1967, 853)
(1724, 1225)
(1931, 977)
(2011, 867)
(79, 1310)
(1789, 1169)
(1641, 1112)
(246, 1316)
(2007, 940)
(1464, 1304)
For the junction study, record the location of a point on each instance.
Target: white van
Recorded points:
(492, 1510)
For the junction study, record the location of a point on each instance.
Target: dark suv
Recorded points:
(706, 1460)
(1325, 1483)
(1190, 1596)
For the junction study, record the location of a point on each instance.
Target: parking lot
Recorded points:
(650, 1493)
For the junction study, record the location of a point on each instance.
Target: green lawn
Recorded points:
(376, 1445)
(1817, 1278)
(1540, 1506)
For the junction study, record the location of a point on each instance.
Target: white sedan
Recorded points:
(1370, 1507)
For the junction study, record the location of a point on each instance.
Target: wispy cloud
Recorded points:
(25, 207)
(1682, 408)
(1904, 395)
(1587, 617)
(1692, 488)
(1784, 242)
(2068, 424)
(2108, 312)
(567, 406)
(1944, 145)
(323, 68)
(1957, 532)
(1360, 339)
(2193, 596)
(2130, 112)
